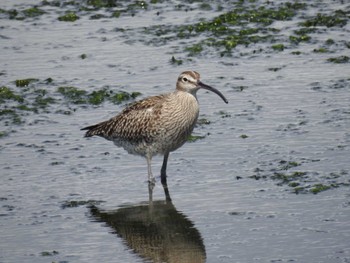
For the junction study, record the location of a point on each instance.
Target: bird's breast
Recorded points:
(177, 120)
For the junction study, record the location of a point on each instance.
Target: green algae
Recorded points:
(11, 14)
(137, 5)
(33, 12)
(6, 111)
(317, 188)
(69, 17)
(297, 181)
(97, 16)
(25, 82)
(23, 14)
(339, 60)
(194, 49)
(10, 116)
(73, 94)
(296, 53)
(293, 184)
(222, 33)
(329, 42)
(78, 96)
(205, 6)
(98, 96)
(3, 134)
(193, 138)
(285, 178)
(223, 114)
(123, 96)
(298, 39)
(320, 50)
(43, 101)
(278, 47)
(286, 165)
(120, 97)
(7, 94)
(339, 18)
(114, 9)
(305, 31)
(33, 96)
(105, 94)
(49, 253)
(24, 107)
(116, 14)
(102, 3)
(243, 25)
(244, 15)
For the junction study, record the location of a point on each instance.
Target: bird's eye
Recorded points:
(185, 79)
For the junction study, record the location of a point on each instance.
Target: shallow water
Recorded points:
(298, 115)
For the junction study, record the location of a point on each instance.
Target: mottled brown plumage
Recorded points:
(158, 124)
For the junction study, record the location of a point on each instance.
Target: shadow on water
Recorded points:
(155, 230)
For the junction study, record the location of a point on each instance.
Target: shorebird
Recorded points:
(158, 124)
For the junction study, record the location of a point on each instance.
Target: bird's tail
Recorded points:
(97, 129)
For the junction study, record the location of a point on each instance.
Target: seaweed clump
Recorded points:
(285, 173)
(31, 95)
(79, 96)
(339, 18)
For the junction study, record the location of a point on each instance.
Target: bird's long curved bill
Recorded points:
(204, 86)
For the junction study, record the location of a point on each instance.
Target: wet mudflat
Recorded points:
(265, 178)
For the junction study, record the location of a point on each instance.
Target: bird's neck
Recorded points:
(186, 94)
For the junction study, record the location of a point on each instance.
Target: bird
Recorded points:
(156, 125)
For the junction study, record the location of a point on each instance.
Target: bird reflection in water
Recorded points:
(155, 230)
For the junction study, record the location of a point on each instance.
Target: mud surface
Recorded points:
(266, 178)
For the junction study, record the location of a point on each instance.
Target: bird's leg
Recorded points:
(163, 170)
(151, 179)
(150, 193)
(166, 192)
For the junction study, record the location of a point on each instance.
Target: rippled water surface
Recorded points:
(269, 182)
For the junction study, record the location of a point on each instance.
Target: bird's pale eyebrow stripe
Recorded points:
(192, 76)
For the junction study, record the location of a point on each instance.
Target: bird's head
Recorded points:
(189, 81)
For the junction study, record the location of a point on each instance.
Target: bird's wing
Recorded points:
(139, 121)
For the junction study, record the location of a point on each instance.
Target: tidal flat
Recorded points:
(264, 178)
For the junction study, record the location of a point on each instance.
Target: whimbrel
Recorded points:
(158, 124)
